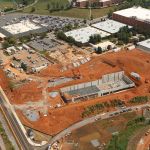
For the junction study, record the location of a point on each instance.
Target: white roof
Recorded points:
(21, 27)
(138, 12)
(145, 43)
(2, 35)
(110, 26)
(83, 34)
(104, 45)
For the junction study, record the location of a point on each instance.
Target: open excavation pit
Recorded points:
(109, 83)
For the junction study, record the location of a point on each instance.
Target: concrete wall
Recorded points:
(113, 77)
(109, 78)
(146, 49)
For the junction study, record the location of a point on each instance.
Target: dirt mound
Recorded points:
(28, 92)
(4, 82)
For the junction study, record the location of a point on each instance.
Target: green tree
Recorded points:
(99, 50)
(32, 9)
(5, 45)
(24, 66)
(60, 35)
(48, 6)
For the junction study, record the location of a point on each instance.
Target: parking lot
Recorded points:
(45, 44)
(44, 23)
(53, 22)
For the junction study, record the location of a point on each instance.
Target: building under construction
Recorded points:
(109, 83)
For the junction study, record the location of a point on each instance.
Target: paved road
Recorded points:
(15, 127)
(91, 120)
(26, 145)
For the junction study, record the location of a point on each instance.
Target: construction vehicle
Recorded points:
(76, 73)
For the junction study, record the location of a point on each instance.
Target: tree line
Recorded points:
(96, 108)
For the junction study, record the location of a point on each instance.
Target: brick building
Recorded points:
(137, 17)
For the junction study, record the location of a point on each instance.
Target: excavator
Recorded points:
(76, 73)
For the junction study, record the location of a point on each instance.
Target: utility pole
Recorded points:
(90, 9)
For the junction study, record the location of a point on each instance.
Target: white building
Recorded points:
(109, 26)
(137, 17)
(83, 34)
(105, 46)
(21, 27)
(144, 45)
(2, 37)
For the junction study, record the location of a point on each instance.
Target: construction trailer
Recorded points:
(109, 83)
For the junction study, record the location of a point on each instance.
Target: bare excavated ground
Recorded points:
(60, 118)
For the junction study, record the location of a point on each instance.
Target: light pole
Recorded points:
(90, 9)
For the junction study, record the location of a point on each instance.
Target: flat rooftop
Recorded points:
(2, 35)
(145, 43)
(83, 34)
(109, 26)
(104, 44)
(21, 27)
(138, 12)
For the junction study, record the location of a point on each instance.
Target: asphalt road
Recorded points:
(24, 142)
(93, 119)
(15, 127)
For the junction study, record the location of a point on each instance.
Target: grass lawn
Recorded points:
(10, 4)
(101, 130)
(6, 4)
(120, 141)
(7, 143)
(83, 13)
(41, 8)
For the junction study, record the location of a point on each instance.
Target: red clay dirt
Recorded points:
(4, 82)
(60, 118)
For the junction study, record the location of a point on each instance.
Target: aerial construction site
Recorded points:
(62, 77)
(58, 98)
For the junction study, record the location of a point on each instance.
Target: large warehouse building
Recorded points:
(109, 83)
(21, 28)
(83, 34)
(144, 45)
(109, 26)
(137, 17)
